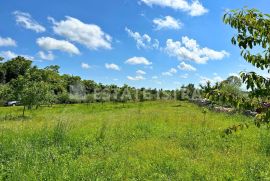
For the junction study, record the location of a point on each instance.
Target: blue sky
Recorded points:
(150, 43)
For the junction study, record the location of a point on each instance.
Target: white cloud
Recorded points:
(48, 43)
(89, 35)
(112, 66)
(10, 55)
(173, 70)
(170, 72)
(138, 61)
(193, 9)
(188, 49)
(185, 76)
(167, 74)
(26, 21)
(140, 72)
(234, 74)
(218, 79)
(187, 67)
(136, 78)
(167, 22)
(204, 80)
(44, 56)
(85, 65)
(155, 77)
(143, 41)
(7, 42)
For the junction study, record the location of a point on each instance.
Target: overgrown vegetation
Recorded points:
(150, 140)
(253, 33)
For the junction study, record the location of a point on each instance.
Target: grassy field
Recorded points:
(137, 141)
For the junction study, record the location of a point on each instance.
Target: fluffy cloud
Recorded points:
(89, 35)
(193, 9)
(7, 42)
(46, 56)
(185, 76)
(48, 43)
(140, 72)
(26, 21)
(10, 55)
(138, 61)
(143, 41)
(167, 22)
(85, 65)
(204, 80)
(112, 66)
(234, 74)
(136, 78)
(187, 67)
(170, 72)
(188, 49)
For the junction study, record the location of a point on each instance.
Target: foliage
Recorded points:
(33, 86)
(12, 69)
(253, 33)
(31, 93)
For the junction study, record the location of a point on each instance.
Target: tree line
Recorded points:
(20, 80)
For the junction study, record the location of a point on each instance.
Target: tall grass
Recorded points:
(138, 141)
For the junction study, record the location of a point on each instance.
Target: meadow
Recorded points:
(161, 140)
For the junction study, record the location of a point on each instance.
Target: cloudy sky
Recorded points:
(150, 43)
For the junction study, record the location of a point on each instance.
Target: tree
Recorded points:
(30, 93)
(206, 89)
(90, 98)
(54, 68)
(5, 92)
(233, 81)
(190, 90)
(63, 98)
(14, 67)
(253, 39)
(125, 94)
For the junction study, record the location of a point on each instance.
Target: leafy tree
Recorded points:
(71, 81)
(63, 98)
(54, 68)
(230, 91)
(141, 96)
(90, 98)
(5, 93)
(190, 88)
(206, 89)
(253, 29)
(90, 86)
(233, 81)
(125, 94)
(13, 68)
(30, 93)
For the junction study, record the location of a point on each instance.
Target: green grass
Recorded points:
(149, 141)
